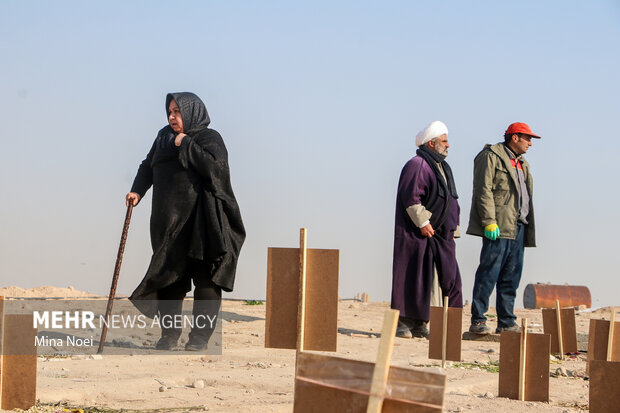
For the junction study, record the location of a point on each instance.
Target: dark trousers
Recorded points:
(501, 265)
(207, 299)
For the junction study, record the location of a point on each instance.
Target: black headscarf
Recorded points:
(193, 113)
(193, 110)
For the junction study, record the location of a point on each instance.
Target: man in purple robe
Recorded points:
(427, 217)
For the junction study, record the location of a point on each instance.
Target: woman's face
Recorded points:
(174, 117)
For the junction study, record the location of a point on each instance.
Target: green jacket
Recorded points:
(495, 198)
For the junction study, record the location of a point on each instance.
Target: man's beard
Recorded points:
(442, 150)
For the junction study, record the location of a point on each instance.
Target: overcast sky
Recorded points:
(319, 104)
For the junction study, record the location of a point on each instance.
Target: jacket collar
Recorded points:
(499, 149)
(511, 153)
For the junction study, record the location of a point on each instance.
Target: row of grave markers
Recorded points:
(362, 297)
(301, 314)
(327, 383)
(302, 308)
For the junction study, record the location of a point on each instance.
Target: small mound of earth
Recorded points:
(44, 291)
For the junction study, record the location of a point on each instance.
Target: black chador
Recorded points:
(196, 226)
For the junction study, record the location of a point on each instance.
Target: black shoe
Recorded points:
(196, 343)
(168, 309)
(420, 328)
(403, 331)
(479, 327)
(166, 342)
(201, 334)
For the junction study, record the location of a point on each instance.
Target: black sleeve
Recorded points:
(208, 158)
(144, 177)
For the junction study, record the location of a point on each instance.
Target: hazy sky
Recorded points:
(319, 104)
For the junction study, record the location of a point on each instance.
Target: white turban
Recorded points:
(431, 132)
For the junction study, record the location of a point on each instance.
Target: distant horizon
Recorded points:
(238, 299)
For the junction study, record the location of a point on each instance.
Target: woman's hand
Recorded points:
(133, 198)
(178, 139)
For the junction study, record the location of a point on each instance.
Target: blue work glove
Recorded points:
(491, 231)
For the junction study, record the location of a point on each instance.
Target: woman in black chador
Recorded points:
(196, 226)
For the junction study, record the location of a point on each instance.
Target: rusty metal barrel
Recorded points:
(545, 295)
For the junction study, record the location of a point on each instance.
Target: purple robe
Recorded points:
(414, 254)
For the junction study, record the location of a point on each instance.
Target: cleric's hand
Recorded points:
(427, 230)
(178, 139)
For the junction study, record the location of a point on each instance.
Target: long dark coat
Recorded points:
(414, 254)
(194, 212)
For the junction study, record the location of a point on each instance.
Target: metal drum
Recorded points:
(544, 296)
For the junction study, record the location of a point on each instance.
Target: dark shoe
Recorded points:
(513, 328)
(479, 327)
(167, 342)
(201, 332)
(168, 310)
(196, 343)
(403, 331)
(420, 328)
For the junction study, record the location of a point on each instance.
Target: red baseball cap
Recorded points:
(520, 127)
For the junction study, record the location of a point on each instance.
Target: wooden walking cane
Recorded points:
(117, 270)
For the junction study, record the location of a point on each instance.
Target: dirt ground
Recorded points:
(249, 377)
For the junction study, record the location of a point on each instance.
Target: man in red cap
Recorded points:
(503, 214)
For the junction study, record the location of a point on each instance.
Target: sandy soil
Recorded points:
(44, 291)
(249, 377)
